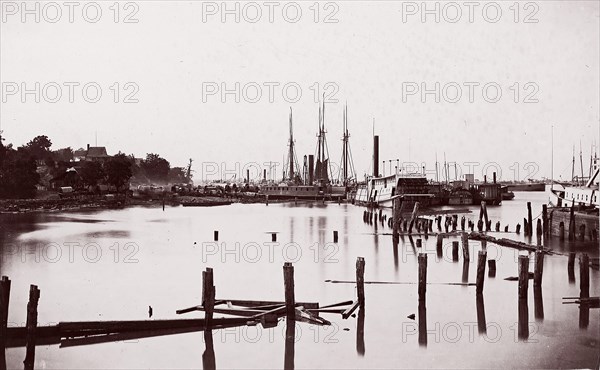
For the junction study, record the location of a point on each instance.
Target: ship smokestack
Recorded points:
(311, 168)
(264, 174)
(484, 179)
(376, 156)
(248, 176)
(494, 177)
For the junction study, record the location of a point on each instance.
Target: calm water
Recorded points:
(113, 264)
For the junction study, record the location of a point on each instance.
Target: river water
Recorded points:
(113, 264)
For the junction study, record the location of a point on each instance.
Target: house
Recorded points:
(92, 153)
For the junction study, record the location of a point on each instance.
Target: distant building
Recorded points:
(92, 153)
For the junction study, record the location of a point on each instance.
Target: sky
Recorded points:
(162, 68)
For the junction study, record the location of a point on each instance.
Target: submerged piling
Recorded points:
(465, 246)
(539, 269)
(360, 280)
(584, 276)
(523, 276)
(32, 316)
(288, 282)
(4, 304)
(482, 256)
(422, 276)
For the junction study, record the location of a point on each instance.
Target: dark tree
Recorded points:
(39, 148)
(18, 176)
(118, 170)
(91, 173)
(177, 175)
(156, 168)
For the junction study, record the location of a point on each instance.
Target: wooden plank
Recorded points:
(350, 309)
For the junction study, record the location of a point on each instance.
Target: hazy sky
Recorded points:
(371, 58)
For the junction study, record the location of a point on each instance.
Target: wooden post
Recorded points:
(485, 214)
(492, 268)
(539, 269)
(273, 237)
(360, 280)
(439, 242)
(518, 228)
(216, 235)
(335, 236)
(572, 222)
(462, 223)
(506, 228)
(561, 231)
(584, 276)
(582, 232)
(4, 304)
(483, 244)
(529, 220)
(571, 267)
(525, 227)
(422, 276)
(288, 282)
(465, 246)
(480, 271)
(539, 229)
(208, 295)
(455, 251)
(546, 231)
(498, 226)
(419, 243)
(523, 276)
(32, 314)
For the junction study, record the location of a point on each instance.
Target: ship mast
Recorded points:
(322, 169)
(291, 160)
(348, 171)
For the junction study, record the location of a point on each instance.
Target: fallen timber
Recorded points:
(104, 331)
(394, 283)
(508, 243)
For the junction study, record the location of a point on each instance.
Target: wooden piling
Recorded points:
(439, 242)
(561, 231)
(525, 227)
(360, 280)
(32, 315)
(492, 268)
(539, 269)
(288, 282)
(538, 228)
(216, 235)
(465, 246)
(455, 251)
(4, 304)
(571, 267)
(584, 276)
(419, 243)
(545, 229)
(208, 295)
(422, 276)
(582, 232)
(529, 220)
(518, 229)
(483, 244)
(523, 276)
(506, 228)
(482, 256)
(462, 223)
(498, 226)
(335, 236)
(273, 237)
(572, 222)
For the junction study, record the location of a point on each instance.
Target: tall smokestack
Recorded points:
(376, 156)
(248, 176)
(494, 177)
(311, 168)
(264, 175)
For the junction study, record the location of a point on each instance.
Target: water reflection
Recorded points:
(523, 329)
(208, 357)
(395, 249)
(290, 340)
(360, 332)
(465, 272)
(481, 324)
(538, 304)
(422, 324)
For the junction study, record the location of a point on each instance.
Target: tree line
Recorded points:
(19, 169)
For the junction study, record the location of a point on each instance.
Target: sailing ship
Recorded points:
(314, 182)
